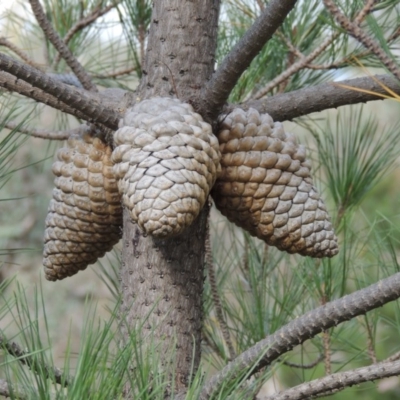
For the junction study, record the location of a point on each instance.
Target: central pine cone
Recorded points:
(166, 159)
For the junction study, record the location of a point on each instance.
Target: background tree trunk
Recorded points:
(162, 280)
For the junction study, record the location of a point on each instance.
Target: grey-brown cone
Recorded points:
(266, 188)
(85, 215)
(166, 159)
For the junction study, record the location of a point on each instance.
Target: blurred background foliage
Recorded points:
(355, 162)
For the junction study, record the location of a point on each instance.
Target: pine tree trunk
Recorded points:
(162, 280)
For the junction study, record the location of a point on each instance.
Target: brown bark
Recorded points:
(287, 106)
(61, 47)
(162, 284)
(239, 58)
(84, 102)
(99, 108)
(180, 54)
(339, 381)
(162, 280)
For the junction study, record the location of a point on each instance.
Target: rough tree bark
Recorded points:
(162, 280)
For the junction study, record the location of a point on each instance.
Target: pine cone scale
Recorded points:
(265, 186)
(167, 160)
(85, 215)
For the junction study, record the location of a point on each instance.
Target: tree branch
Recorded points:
(68, 79)
(82, 24)
(305, 366)
(339, 381)
(370, 340)
(235, 63)
(61, 47)
(393, 357)
(13, 391)
(287, 106)
(86, 105)
(6, 43)
(88, 20)
(344, 61)
(304, 60)
(12, 84)
(216, 298)
(326, 340)
(355, 31)
(46, 133)
(52, 373)
(367, 9)
(116, 74)
(305, 327)
(302, 63)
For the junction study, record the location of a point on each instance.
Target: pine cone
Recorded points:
(166, 159)
(85, 215)
(265, 186)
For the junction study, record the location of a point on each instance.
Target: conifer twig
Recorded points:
(303, 328)
(305, 61)
(347, 58)
(6, 43)
(305, 366)
(13, 391)
(13, 84)
(46, 133)
(261, 5)
(69, 79)
(239, 58)
(53, 373)
(298, 53)
(339, 381)
(370, 341)
(216, 299)
(82, 102)
(88, 20)
(290, 45)
(142, 39)
(116, 74)
(368, 7)
(326, 339)
(212, 345)
(61, 47)
(354, 30)
(302, 63)
(82, 24)
(245, 258)
(287, 106)
(393, 357)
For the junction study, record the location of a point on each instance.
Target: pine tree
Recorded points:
(214, 57)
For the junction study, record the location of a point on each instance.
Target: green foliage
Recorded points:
(306, 28)
(100, 367)
(9, 145)
(354, 151)
(135, 18)
(262, 289)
